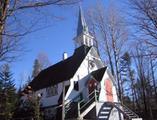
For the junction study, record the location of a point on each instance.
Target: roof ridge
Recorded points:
(61, 71)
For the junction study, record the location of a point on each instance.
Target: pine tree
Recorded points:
(125, 63)
(8, 93)
(128, 75)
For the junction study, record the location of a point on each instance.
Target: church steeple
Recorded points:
(82, 26)
(83, 36)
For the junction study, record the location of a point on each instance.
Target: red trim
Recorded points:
(109, 92)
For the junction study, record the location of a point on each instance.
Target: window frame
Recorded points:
(52, 91)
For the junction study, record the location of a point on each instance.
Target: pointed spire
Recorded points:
(83, 36)
(82, 26)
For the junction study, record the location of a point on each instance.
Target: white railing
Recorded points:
(93, 98)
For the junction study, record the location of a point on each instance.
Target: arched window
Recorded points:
(52, 91)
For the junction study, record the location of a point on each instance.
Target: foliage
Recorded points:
(29, 108)
(7, 92)
(133, 63)
(36, 68)
(19, 18)
(146, 19)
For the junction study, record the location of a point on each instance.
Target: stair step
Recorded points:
(132, 116)
(106, 108)
(128, 112)
(106, 112)
(103, 117)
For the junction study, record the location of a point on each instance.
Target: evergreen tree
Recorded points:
(132, 87)
(125, 63)
(8, 93)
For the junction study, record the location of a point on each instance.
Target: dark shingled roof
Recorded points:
(61, 71)
(98, 74)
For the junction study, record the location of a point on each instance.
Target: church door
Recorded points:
(92, 85)
(109, 93)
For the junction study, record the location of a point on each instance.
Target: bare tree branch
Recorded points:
(13, 25)
(146, 18)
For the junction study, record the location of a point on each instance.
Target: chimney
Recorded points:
(65, 55)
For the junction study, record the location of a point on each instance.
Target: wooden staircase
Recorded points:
(80, 109)
(128, 113)
(105, 112)
(71, 108)
(84, 107)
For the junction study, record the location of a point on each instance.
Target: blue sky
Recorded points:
(53, 41)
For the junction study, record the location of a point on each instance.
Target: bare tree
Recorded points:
(111, 29)
(14, 22)
(146, 19)
(43, 60)
(145, 80)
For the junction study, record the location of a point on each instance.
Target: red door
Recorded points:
(92, 85)
(109, 93)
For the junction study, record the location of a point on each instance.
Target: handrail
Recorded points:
(70, 101)
(87, 96)
(128, 109)
(79, 102)
(114, 105)
(95, 91)
(75, 97)
(87, 102)
(81, 107)
(118, 108)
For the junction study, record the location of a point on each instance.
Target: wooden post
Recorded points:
(78, 110)
(95, 95)
(63, 102)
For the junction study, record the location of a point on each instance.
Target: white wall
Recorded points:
(81, 75)
(53, 100)
(114, 115)
(102, 96)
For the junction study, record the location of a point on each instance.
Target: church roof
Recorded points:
(98, 74)
(61, 71)
(82, 26)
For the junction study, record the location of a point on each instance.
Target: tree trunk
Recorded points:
(3, 13)
(154, 82)
(116, 66)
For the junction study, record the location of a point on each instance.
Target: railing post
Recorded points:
(79, 110)
(95, 95)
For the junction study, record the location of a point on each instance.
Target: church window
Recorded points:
(52, 91)
(91, 64)
(76, 86)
